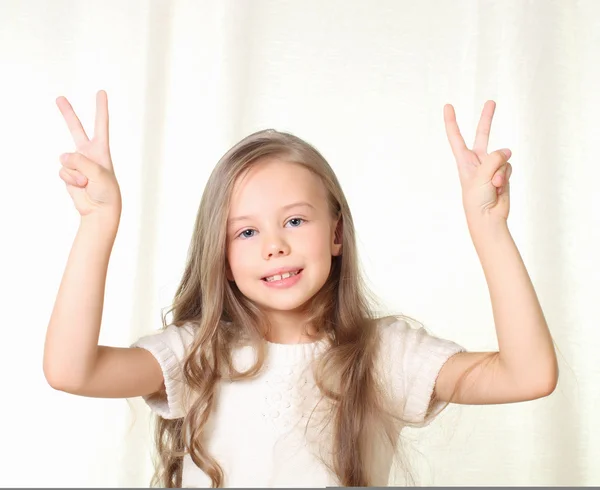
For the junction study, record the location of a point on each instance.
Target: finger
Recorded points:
(73, 177)
(101, 124)
(492, 164)
(498, 178)
(73, 191)
(482, 134)
(65, 176)
(502, 175)
(85, 166)
(457, 143)
(504, 189)
(73, 122)
(68, 178)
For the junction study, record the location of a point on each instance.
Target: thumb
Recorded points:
(493, 162)
(85, 166)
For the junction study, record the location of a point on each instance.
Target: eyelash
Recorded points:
(240, 234)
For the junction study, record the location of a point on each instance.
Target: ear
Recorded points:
(337, 238)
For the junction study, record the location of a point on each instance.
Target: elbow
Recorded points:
(552, 381)
(551, 385)
(55, 381)
(536, 383)
(67, 386)
(60, 381)
(547, 385)
(544, 390)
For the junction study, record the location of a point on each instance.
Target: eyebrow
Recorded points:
(284, 208)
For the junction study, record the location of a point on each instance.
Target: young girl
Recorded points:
(275, 370)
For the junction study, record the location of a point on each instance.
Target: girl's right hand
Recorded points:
(88, 172)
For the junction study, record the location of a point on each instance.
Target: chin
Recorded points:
(282, 304)
(290, 301)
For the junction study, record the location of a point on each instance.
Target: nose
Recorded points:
(275, 246)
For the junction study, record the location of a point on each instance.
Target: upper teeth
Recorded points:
(278, 277)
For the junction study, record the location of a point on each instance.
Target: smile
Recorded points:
(284, 280)
(279, 277)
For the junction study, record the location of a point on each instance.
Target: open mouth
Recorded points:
(280, 277)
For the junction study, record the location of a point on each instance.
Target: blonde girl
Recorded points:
(274, 370)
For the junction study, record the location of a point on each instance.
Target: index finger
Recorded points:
(73, 122)
(101, 125)
(457, 143)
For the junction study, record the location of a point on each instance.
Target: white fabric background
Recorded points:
(365, 82)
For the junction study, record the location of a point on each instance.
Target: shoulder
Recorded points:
(174, 338)
(395, 333)
(405, 345)
(409, 360)
(408, 351)
(401, 334)
(392, 326)
(169, 346)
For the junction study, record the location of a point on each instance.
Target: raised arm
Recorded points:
(73, 360)
(525, 366)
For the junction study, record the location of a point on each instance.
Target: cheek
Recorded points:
(240, 260)
(322, 237)
(316, 245)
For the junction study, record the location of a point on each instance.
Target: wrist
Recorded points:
(105, 224)
(486, 225)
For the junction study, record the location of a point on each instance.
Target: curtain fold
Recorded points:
(366, 84)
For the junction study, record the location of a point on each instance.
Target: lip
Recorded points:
(281, 270)
(284, 283)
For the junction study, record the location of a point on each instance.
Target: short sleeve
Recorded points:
(410, 360)
(169, 347)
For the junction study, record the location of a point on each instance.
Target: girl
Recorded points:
(275, 370)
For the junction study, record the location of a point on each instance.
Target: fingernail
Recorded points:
(80, 179)
(63, 157)
(507, 153)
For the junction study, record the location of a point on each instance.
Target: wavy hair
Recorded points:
(342, 311)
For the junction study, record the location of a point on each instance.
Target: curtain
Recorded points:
(365, 82)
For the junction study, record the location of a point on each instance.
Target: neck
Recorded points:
(289, 328)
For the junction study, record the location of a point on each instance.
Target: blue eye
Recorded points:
(249, 233)
(296, 219)
(244, 236)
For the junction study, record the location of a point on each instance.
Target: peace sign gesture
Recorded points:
(484, 177)
(88, 172)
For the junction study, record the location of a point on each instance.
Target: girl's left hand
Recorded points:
(484, 177)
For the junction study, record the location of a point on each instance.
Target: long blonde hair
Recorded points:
(341, 310)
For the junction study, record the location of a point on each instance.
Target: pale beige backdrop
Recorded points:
(366, 83)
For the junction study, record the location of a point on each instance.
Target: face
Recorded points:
(279, 218)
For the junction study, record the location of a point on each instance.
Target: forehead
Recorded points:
(271, 184)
